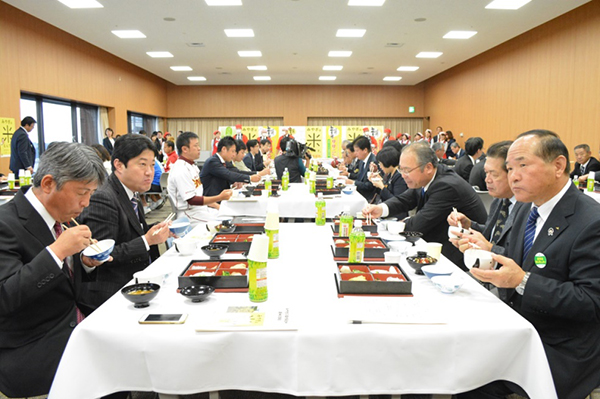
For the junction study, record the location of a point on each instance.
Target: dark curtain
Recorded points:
(149, 123)
(88, 116)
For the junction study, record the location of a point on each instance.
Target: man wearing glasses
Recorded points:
(434, 190)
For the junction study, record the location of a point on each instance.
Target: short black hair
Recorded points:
(550, 146)
(252, 143)
(265, 141)
(473, 144)
(28, 120)
(283, 143)
(226, 142)
(239, 145)
(395, 144)
(500, 150)
(585, 147)
(350, 147)
(363, 143)
(183, 140)
(388, 157)
(102, 152)
(130, 146)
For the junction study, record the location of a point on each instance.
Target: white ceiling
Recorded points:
(295, 36)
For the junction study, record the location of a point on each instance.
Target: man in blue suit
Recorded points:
(22, 151)
(362, 149)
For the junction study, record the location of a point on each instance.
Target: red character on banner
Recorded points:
(286, 133)
(386, 137)
(215, 141)
(239, 135)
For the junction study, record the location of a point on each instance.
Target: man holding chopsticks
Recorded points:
(40, 271)
(115, 212)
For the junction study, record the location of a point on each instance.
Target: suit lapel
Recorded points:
(126, 206)
(510, 220)
(32, 221)
(554, 227)
(495, 210)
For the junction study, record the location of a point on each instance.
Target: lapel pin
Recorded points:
(550, 231)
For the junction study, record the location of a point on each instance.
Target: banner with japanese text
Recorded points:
(7, 128)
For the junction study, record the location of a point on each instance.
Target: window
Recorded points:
(139, 122)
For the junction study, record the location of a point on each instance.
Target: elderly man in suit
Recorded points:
(434, 190)
(22, 151)
(40, 269)
(492, 235)
(551, 274)
(115, 212)
(585, 164)
(438, 148)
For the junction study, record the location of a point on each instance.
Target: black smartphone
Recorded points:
(163, 319)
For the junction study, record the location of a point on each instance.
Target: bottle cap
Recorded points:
(591, 175)
(358, 223)
(11, 176)
(27, 173)
(259, 249)
(320, 195)
(21, 172)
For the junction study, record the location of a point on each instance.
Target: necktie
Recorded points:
(501, 220)
(134, 203)
(58, 231)
(582, 170)
(530, 231)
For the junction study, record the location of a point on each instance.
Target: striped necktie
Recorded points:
(58, 231)
(501, 220)
(530, 232)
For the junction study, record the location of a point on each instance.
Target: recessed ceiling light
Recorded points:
(368, 3)
(181, 68)
(223, 2)
(507, 4)
(350, 32)
(128, 34)
(257, 68)
(159, 54)
(239, 32)
(340, 53)
(333, 68)
(428, 54)
(327, 77)
(407, 68)
(81, 3)
(262, 78)
(249, 53)
(392, 78)
(460, 34)
(197, 78)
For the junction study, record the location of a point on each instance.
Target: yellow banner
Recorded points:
(334, 141)
(7, 128)
(314, 139)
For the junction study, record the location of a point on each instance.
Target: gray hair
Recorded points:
(70, 162)
(454, 145)
(437, 146)
(423, 153)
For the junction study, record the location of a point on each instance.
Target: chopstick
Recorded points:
(167, 220)
(92, 242)
(456, 216)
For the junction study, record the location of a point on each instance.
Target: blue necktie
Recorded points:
(530, 231)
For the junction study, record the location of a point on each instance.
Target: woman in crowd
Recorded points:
(392, 183)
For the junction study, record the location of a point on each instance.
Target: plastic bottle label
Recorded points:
(273, 243)
(590, 185)
(320, 217)
(257, 285)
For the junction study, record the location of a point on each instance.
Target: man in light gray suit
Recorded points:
(492, 235)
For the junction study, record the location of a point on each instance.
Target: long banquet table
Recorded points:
(479, 340)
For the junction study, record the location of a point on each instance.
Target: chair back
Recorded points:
(164, 183)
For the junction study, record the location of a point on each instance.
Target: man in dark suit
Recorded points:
(434, 190)
(22, 151)
(456, 150)
(585, 164)
(438, 148)
(40, 269)
(253, 150)
(477, 176)
(551, 274)
(492, 235)
(115, 212)
(108, 141)
(215, 175)
(263, 156)
(474, 149)
(362, 150)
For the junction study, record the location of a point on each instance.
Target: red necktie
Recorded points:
(58, 231)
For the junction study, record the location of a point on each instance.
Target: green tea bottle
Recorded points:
(321, 211)
(285, 180)
(272, 229)
(268, 186)
(576, 181)
(257, 268)
(590, 181)
(357, 244)
(346, 222)
(306, 176)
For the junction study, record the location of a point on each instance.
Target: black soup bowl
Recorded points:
(214, 250)
(411, 236)
(197, 293)
(141, 294)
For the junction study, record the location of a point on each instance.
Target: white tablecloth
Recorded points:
(296, 202)
(483, 339)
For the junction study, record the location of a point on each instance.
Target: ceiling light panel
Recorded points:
(407, 68)
(223, 2)
(257, 68)
(197, 78)
(327, 78)
(366, 3)
(429, 54)
(350, 32)
(249, 53)
(507, 4)
(181, 68)
(392, 78)
(333, 68)
(128, 34)
(159, 54)
(340, 53)
(262, 78)
(239, 32)
(81, 3)
(460, 34)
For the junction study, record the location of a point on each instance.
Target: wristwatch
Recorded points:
(521, 287)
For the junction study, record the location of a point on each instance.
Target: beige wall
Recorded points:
(547, 78)
(294, 103)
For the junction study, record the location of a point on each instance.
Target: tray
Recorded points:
(235, 241)
(328, 191)
(376, 283)
(220, 279)
(257, 228)
(250, 220)
(375, 247)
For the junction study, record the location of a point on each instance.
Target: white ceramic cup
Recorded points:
(185, 247)
(474, 256)
(434, 249)
(395, 227)
(401, 247)
(455, 229)
(392, 257)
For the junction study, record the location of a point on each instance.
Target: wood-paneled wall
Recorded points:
(547, 78)
(294, 103)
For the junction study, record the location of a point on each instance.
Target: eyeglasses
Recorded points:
(405, 171)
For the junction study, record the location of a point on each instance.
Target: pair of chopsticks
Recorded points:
(167, 220)
(92, 241)
(456, 216)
